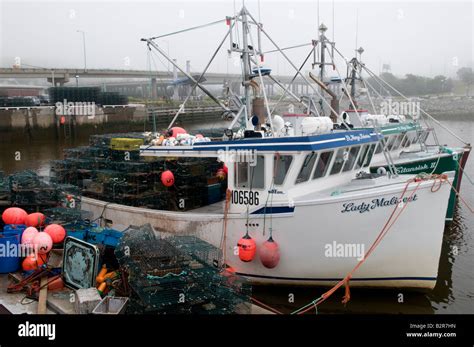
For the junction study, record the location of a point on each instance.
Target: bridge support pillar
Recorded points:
(154, 91)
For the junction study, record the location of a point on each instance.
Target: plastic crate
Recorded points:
(125, 144)
(214, 193)
(111, 305)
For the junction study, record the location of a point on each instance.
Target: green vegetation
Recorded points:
(466, 75)
(412, 85)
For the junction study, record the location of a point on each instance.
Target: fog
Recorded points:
(422, 37)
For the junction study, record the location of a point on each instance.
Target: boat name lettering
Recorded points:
(380, 202)
(358, 137)
(418, 168)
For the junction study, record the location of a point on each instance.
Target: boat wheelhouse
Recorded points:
(406, 144)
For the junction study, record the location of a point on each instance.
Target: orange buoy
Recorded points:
(175, 131)
(247, 248)
(101, 288)
(14, 215)
(43, 242)
(269, 253)
(167, 178)
(220, 174)
(100, 277)
(36, 219)
(56, 232)
(32, 262)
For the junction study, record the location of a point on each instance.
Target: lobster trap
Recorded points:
(178, 274)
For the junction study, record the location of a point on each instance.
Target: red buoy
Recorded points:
(269, 253)
(14, 215)
(226, 169)
(36, 220)
(56, 232)
(175, 131)
(32, 262)
(167, 178)
(247, 248)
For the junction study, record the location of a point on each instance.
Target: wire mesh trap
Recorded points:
(178, 274)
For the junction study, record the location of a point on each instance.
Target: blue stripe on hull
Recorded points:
(274, 210)
(338, 279)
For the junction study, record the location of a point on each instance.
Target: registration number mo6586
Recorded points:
(245, 197)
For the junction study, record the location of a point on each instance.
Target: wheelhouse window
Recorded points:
(379, 148)
(405, 140)
(421, 137)
(424, 135)
(410, 139)
(390, 142)
(362, 156)
(370, 153)
(349, 164)
(341, 156)
(306, 168)
(398, 141)
(251, 174)
(416, 138)
(281, 166)
(322, 165)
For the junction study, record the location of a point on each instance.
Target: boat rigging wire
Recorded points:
(294, 67)
(421, 110)
(189, 29)
(195, 84)
(290, 47)
(285, 90)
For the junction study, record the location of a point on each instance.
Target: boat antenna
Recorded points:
(259, 13)
(317, 14)
(357, 28)
(333, 20)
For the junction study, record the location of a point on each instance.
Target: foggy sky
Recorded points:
(422, 37)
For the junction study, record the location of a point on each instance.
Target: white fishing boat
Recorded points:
(301, 207)
(411, 148)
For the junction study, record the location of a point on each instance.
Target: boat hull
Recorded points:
(433, 164)
(407, 257)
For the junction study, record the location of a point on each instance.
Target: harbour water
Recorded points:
(454, 291)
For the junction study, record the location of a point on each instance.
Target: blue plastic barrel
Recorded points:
(14, 228)
(9, 252)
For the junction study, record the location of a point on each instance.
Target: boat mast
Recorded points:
(246, 67)
(354, 63)
(322, 40)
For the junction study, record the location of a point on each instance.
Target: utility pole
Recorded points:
(84, 47)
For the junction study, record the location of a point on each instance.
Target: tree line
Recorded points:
(411, 85)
